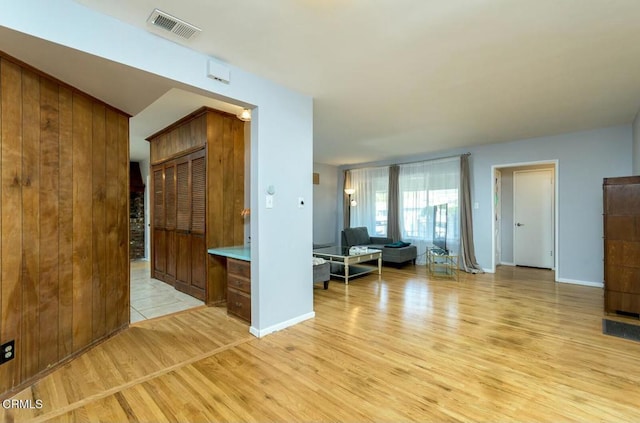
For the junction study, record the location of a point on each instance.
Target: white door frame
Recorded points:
(556, 166)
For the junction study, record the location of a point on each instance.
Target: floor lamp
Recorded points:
(350, 202)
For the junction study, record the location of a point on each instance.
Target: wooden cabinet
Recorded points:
(622, 244)
(198, 194)
(180, 251)
(239, 288)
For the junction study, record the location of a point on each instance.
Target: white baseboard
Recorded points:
(487, 270)
(584, 283)
(259, 333)
(504, 263)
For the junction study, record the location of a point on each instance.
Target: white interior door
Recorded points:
(533, 218)
(497, 206)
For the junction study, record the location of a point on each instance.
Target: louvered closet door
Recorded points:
(191, 251)
(170, 202)
(183, 225)
(198, 214)
(159, 240)
(180, 252)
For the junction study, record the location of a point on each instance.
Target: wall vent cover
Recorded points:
(178, 27)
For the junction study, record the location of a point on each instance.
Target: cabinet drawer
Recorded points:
(239, 268)
(239, 304)
(241, 284)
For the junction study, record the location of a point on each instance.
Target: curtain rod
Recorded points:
(415, 161)
(436, 158)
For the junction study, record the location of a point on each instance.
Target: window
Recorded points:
(381, 213)
(422, 186)
(371, 193)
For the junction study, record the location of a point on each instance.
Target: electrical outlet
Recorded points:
(7, 351)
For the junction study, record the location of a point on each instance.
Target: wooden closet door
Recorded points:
(183, 225)
(159, 256)
(170, 221)
(190, 244)
(198, 218)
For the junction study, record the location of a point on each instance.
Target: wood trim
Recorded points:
(178, 155)
(622, 180)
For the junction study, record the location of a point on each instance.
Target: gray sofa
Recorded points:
(360, 237)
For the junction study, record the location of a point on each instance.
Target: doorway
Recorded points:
(518, 189)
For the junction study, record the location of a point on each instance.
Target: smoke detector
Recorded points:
(178, 27)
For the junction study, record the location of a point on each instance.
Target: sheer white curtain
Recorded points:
(424, 185)
(371, 189)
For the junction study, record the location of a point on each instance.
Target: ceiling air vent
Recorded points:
(182, 29)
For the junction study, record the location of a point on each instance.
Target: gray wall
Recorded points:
(584, 158)
(636, 144)
(325, 206)
(282, 121)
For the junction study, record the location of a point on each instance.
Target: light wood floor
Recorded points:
(507, 347)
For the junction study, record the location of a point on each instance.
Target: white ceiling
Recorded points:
(396, 78)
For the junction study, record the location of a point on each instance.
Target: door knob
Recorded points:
(519, 224)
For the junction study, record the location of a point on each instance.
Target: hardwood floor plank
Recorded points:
(114, 365)
(514, 346)
(150, 412)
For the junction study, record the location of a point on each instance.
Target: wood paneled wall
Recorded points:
(223, 136)
(64, 221)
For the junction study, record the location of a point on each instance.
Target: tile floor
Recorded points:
(153, 298)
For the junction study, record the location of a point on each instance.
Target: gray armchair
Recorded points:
(321, 274)
(360, 237)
